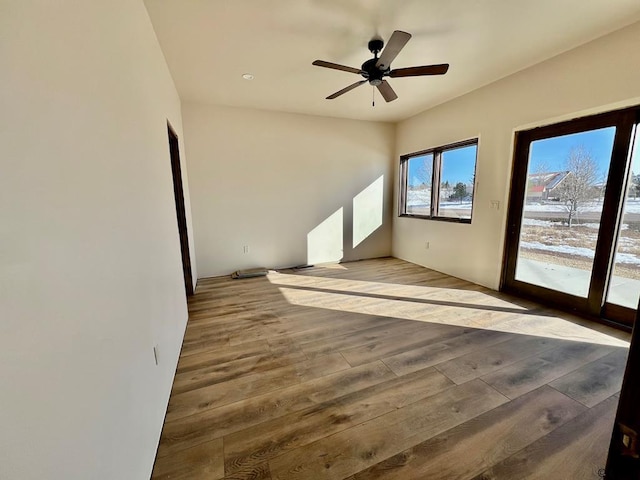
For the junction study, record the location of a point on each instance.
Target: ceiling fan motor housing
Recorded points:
(372, 73)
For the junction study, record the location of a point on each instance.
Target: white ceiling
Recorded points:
(209, 44)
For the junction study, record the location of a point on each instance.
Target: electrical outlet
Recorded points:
(629, 441)
(245, 249)
(495, 204)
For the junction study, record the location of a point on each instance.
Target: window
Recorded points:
(438, 183)
(572, 235)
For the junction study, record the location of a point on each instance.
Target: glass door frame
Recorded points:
(594, 304)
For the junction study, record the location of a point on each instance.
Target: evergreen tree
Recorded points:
(459, 191)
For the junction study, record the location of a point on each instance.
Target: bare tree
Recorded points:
(423, 172)
(578, 186)
(445, 190)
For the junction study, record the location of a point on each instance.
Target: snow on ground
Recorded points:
(591, 225)
(456, 205)
(422, 198)
(626, 242)
(418, 197)
(578, 251)
(533, 222)
(631, 206)
(627, 258)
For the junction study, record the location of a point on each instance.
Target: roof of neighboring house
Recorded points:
(546, 181)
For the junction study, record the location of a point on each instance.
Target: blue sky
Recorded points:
(552, 152)
(457, 166)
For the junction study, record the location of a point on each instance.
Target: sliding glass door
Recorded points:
(572, 238)
(624, 283)
(560, 222)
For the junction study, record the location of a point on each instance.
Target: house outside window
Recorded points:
(546, 186)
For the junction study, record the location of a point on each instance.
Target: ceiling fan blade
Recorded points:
(387, 92)
(396, 43)
(335, 66)
(420, 71)
(346, 89)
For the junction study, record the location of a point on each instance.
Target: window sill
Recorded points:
(437, 219)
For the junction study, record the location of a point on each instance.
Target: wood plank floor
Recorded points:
(382, 369)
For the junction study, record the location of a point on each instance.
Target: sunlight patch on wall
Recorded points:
(324, 243)
(367, 211)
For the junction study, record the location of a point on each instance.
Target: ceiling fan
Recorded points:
(374, 70)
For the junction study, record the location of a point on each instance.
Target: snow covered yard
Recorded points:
(547, 238)
(554, 242)
(419, 201)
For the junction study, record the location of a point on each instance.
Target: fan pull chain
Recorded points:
(373, 96)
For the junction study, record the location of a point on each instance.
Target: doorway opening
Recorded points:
(573, 231)
(178, 193)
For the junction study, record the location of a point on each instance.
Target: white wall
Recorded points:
(90, 269)
(601, 75)
(284, 185)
